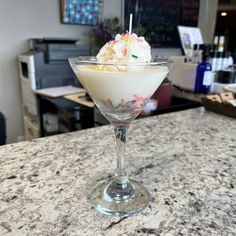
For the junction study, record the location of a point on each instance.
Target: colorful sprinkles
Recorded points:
(138, 102)
(127, 39)
(134, 56)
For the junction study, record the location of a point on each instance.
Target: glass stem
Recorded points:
(121, 133)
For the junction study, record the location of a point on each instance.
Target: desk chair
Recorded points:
(2, 129)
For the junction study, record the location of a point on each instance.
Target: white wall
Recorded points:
(19, 21)
(112, 8)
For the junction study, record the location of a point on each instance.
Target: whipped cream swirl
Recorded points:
(125, 48)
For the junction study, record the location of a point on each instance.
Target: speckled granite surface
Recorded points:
(187, 160)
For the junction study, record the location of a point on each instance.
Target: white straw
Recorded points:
(130, 23)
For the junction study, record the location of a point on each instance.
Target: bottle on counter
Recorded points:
(204, 74)
(221, 43)
(224, 61)
(216, 41)
(213, 60)
(230, 60)
(195, 56)
(219, 60)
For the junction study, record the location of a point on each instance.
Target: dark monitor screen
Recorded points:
(157, 20)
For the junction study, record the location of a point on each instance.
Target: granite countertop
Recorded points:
(186, 159)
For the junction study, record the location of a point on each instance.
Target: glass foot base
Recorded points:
(114, 203)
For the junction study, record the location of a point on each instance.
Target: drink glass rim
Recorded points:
(92, 60)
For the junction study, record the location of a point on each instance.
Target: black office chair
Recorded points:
(2, 129)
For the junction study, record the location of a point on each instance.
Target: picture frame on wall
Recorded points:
(80, 12)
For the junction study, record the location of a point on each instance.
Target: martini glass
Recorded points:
(120, 91)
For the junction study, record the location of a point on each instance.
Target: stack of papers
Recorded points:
(60, 91)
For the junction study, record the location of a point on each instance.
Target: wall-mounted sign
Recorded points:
(82, 12)
(188, 37)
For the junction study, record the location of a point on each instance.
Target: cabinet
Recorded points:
(68, 115)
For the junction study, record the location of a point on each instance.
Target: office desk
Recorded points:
(82, 100)
(71, 115)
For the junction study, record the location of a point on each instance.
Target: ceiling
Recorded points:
(225, 25)
(227, 4)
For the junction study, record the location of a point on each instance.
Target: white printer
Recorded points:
(183, 74)
(45, 66)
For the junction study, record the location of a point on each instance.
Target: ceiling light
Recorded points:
(223, 13)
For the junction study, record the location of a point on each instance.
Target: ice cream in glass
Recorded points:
(120, 80)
